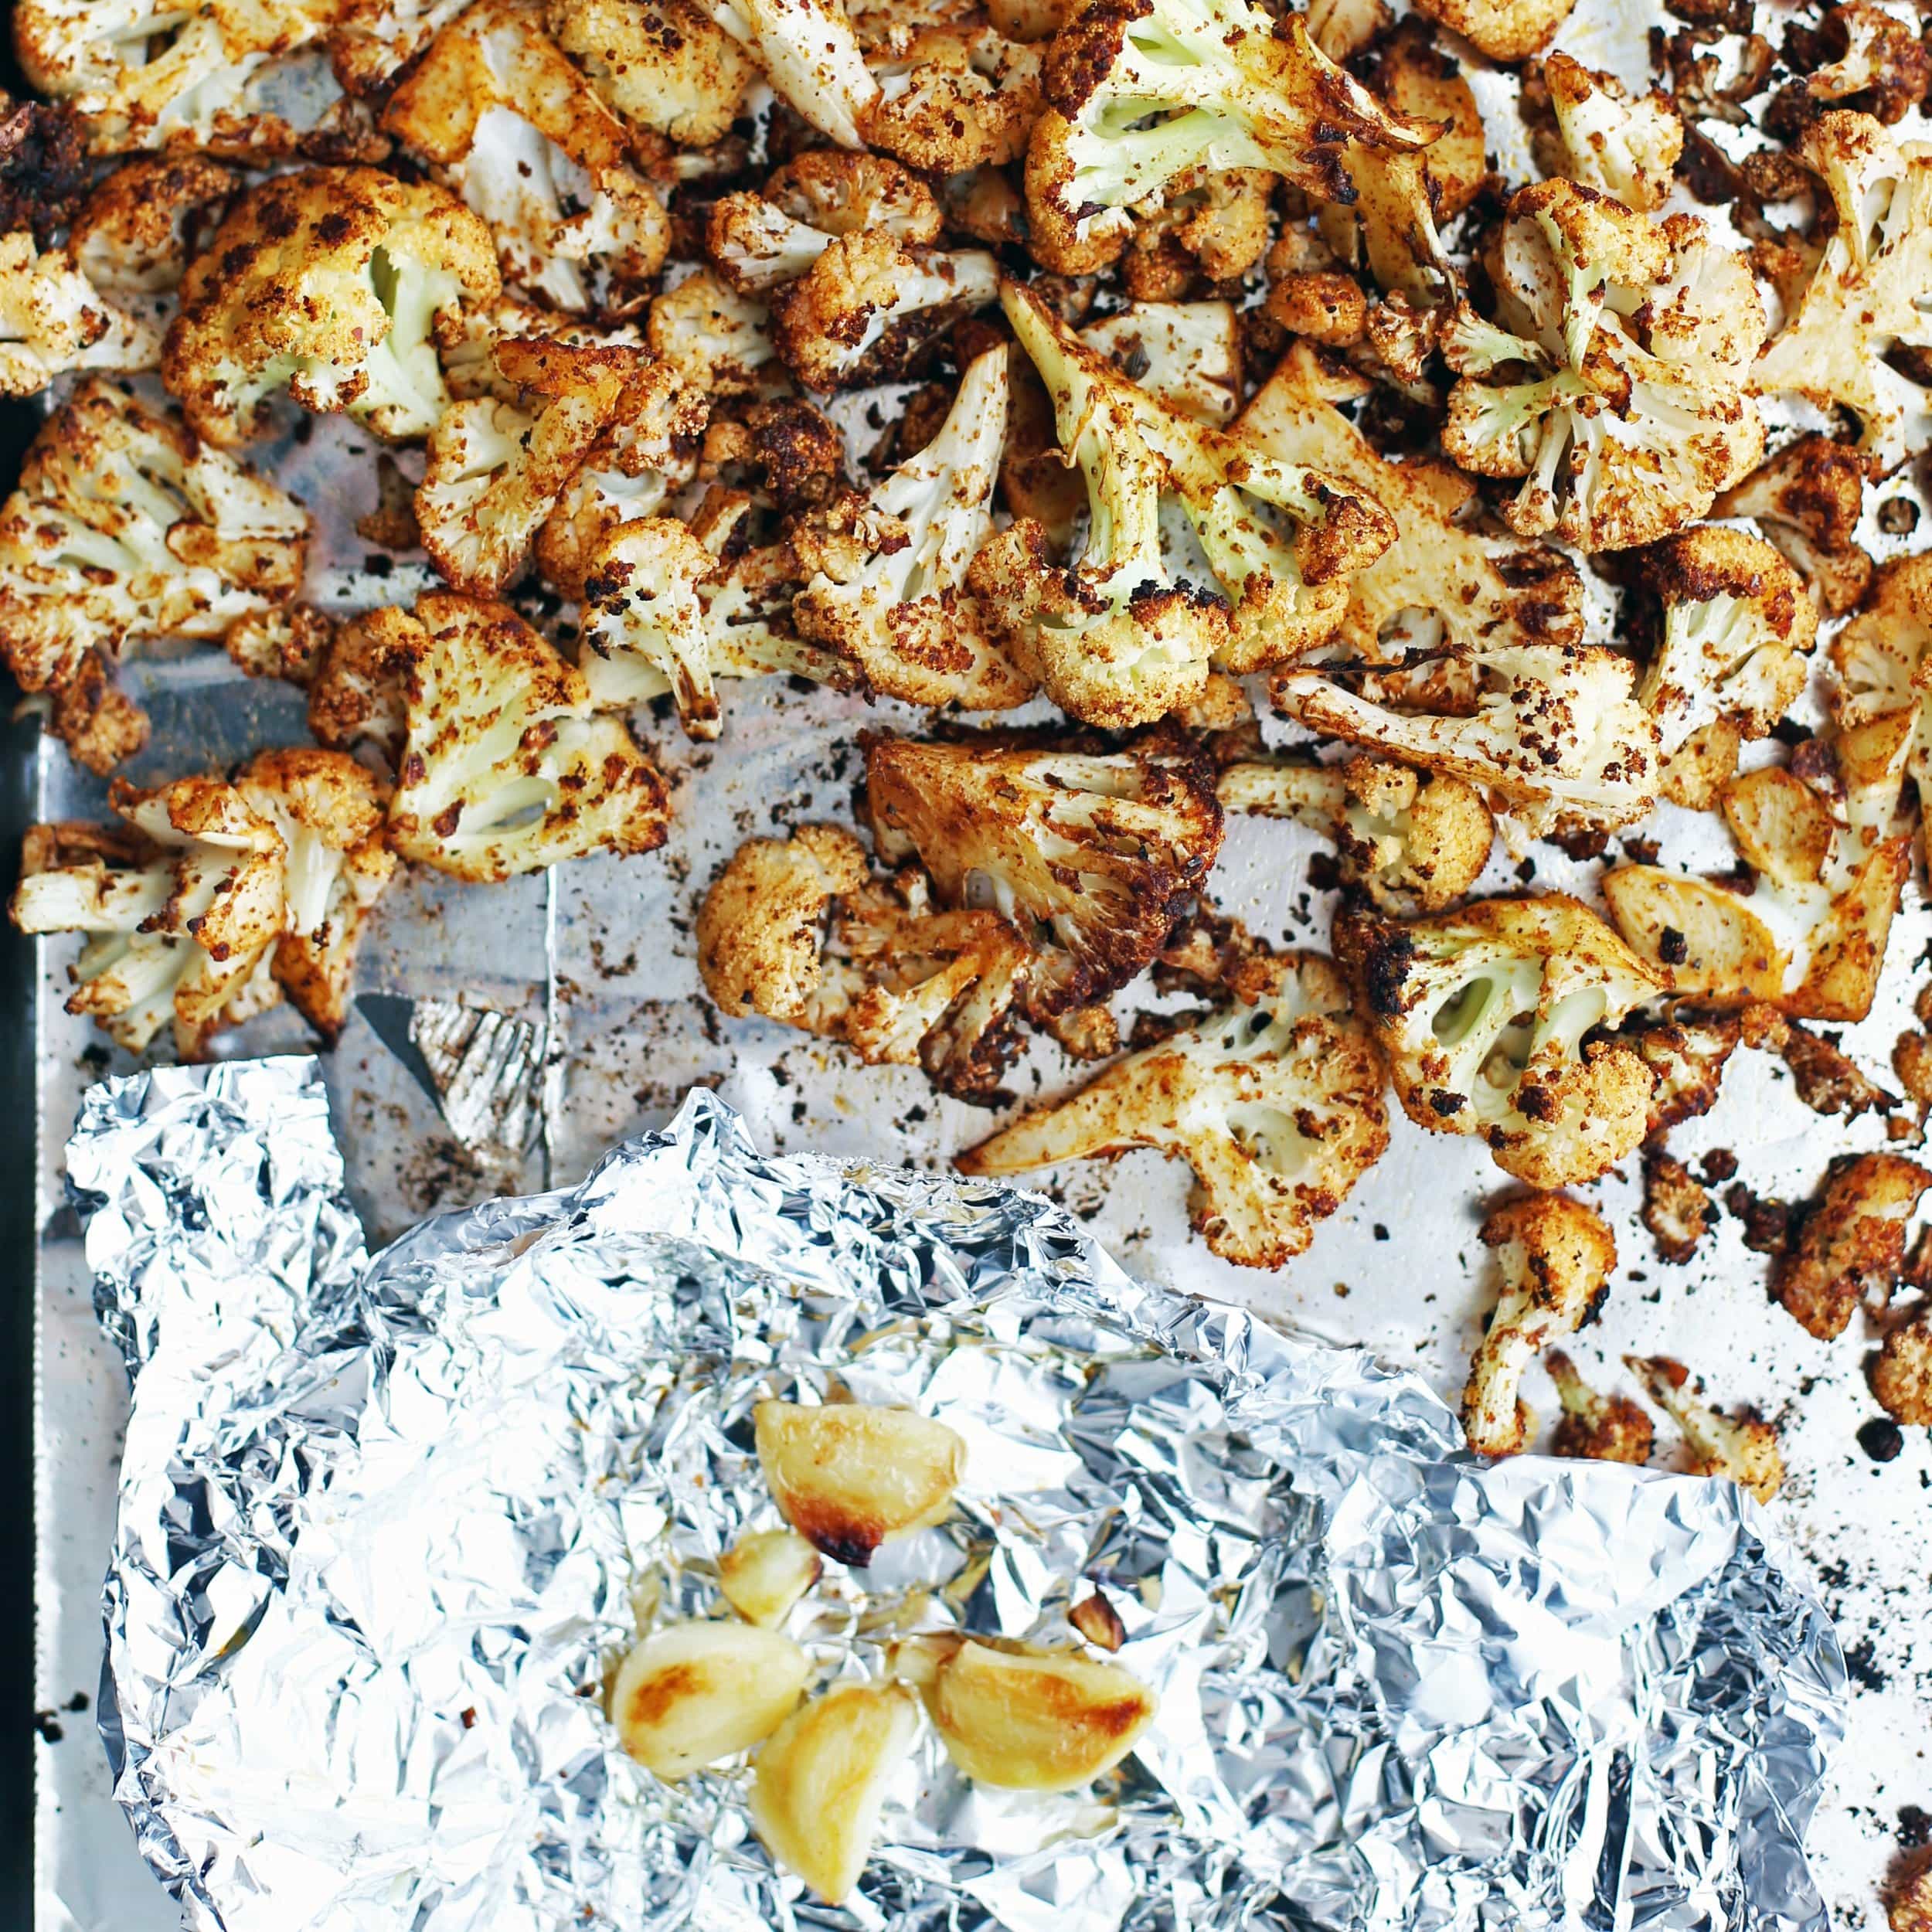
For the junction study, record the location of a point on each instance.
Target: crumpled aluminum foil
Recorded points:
(386, 1528)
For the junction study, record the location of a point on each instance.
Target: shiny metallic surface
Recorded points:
(382, 1534)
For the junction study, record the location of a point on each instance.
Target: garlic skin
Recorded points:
(820, 1782)
(692, 1694)
(849, 1474)
(765, 1572)
(1038, 1720)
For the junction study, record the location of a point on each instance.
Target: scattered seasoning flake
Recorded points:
(1882, 1439)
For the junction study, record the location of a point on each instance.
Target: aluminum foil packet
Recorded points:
(386, 1526)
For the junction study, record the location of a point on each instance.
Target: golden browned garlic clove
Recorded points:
(691, 1694)
(1036, 1721)
(820, 1782)
(764, 1573)
(849, 1474)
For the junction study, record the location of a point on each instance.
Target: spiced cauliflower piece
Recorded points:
(953, 95)
(1556, 1257)
(717, 340)
(1507, 30)
(800, 931)
(1807, 500)
(328, 810)
(1188, 354)
(520, 133)
(1865, 298)
(1872, 54)
(1231, 88)
(126, 526)
(1554, 732)
(1439, 582)
(1852, 1244)
(1274, 1100)
(1743, 1446)
(1615, 380)
(182, 908)
(1737, 629)
(505, 767)
(664, 65)
(760, 241)
(130, 238)
(888, 593)
(1617, 145)
(1602, 1428)
(1093, 856)
(338, 283)
(1879, 659)
(1901, 1379)
(1491, 1020)
(810, 55)
(1414, 842)
(53, 320)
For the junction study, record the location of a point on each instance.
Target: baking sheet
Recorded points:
(601, 954)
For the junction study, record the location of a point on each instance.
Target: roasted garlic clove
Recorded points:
(764, 1573)
(848, 1475)
(820, 1782)
(1036, 1720)
(691, 1694)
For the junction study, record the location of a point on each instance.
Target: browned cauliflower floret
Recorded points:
(1490, 1019)
(1275, 1101)
(1743, 1446)
(1688, 1057)
(662, 64)
(1880, 659)
(1807, 500)
(1413, 841)
(527, 141)
(1615, 378)
(355, 688)
(126, 526)
(1901, 1377)
(1676, 1210)
(1439, 582)
(760, 241)
(1554, 731)
(1141, 91)
(1557, 1256)
(339, 283)
(505, 767)
(1870, 59)
(287, 642)
(54, 319)
(1851, 1244)
(184, 909)
(1503, 29)
(1617, 145)
(810, 55)
(1866, 296)
(1206, 225)
(953, 95)
(1908, 1904)
(1093, 856)
(1603, 1428)
(1188, 354)
(717, 340)
(132, 238)
(798, 930)
(888, 592)
(328, 810)
(1736, 629)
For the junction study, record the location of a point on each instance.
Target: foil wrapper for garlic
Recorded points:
(386, 1526)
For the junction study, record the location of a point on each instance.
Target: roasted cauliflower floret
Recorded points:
(1438, 583)
(132, 238)
(1093, 857)
(810, 55)
(1556, 1257)
(1507, 32)
(328, 811)
(1603, 1428)
(1274, 1101)
(716, 340)
(183, 909)
(1901, 1376)
(1866, 297)
(505, 767)
(1140, 91)
(1187, 354)
(1414, 842)
(800, 932)
(888, 593)
(1807, 499)
(1617, 145)
(1852, 1245)
(1874, 58)
(760, 241)
(54, 319)
(1615, 379)
(337, 283)
(1737, 628)
(1489, 1018)
(1743, 1446)
(662, 64)
(526, 140)
(1556, 733)
(126, 526)
(1676, 1210)
(1880, 659)
(953, 97)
